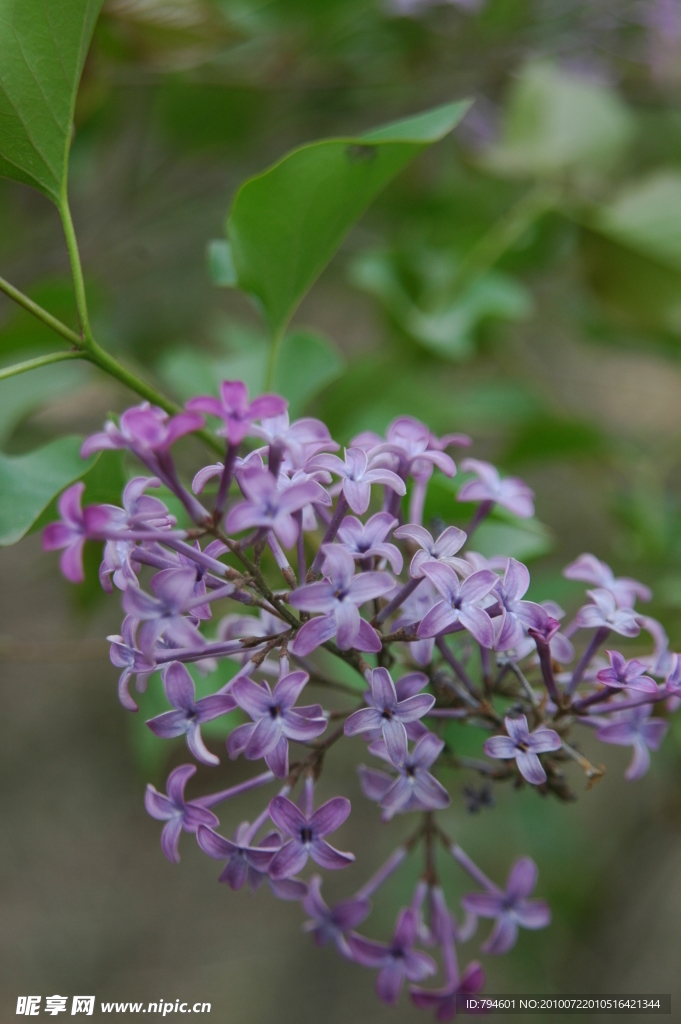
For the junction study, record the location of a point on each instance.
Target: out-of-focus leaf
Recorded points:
(647, 217)
(29, 482)
(23, 394)
(523, 539)
(25, 333)
(307, 363)
(556, 121)
(202, 116)
(546, 437)
(42, 51)
(104, 483)
(287, 223)
(221, 264)
(444, 322)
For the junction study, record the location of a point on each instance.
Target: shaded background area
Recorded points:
(522, 282)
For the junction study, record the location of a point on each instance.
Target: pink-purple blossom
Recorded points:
(461, 604)
(388, 714)
(234, 409)
(395, 961)
(308, 834)
(511, 492)
(511, 908)
(524, 746)
(189, 713)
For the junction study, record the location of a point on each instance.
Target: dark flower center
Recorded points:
(306, 834)
(275, 711)
(387, 713)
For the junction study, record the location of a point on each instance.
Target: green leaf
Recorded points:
(29, 482)
(523, 539)
(307, 363)
(221, 264)
(43, 44)
(556, 122)
(444, 322)
(23, 394)
(287, 223)
(646, 217)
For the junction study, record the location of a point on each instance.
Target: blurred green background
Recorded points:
(520, 281)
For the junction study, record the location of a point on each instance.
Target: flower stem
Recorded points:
(35, 364)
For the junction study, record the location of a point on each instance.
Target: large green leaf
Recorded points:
(286, 224)
(28, 483)
(646, 217)
(43, 44)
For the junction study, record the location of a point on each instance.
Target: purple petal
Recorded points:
(500, 746)
(517, 729)
(169, 725)
(522, 879)
(302, 729)
(277, 758)
(264, 738)
(444, 579)
(543, 740)
(314, 597)
(411, 684)
(427, 750)
(347, 624)
(288, 888)
(503, 936)
(254, 698)
(170, 839)
(289, 688)
(483, 904)
(367, 638)
(71, 562)
(479, 624)
(179, 686)
(289, 860)
(395, 736)
(237, 741)
(530, 767)
(430, 793)
(177, 780)
(375, 784)
(287, 816)
(329, 816)
(364, 720)
(398, 795)
(198, 747)
(478, 585)
(328, 856)
(640, 762)
(389, 982)
(533, 914)
(369, 585)
(214, 706)
(213, 844)
(158, 805)
(439, 618)
(235, 873)
(367, 952)
(314, 633)
(516, 580)
(358, 495)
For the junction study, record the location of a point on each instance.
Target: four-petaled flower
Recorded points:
(308, 836)
(275, 720)
(516, 612)
(441, 550)
(269, 506)
(330, 924)
(70, 533)
(511, 492)
(396, 961)
(461, 602)
(524, 746)
(301, 440)
(626, 675)
(247, 862)
(368, 540)
(604, 614)
(357, 476)
(234, 409)
(414, 788)
(144, 429)
(177, 812)
(338, 598)
(389, 715)
(162, 615)
(408, 446)
(635, 728)
(511, 907)
(589, 569)
(189, 713)
(124, 654)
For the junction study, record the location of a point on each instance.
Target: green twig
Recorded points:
(40, 313)
(34, 364)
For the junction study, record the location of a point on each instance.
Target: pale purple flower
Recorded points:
(368, 540)
(511, 493)
(444, 1000)
(189, 713)
(627, 675)
(441, 550)
(389, 715)
(415, 788)
(635, 728)
(69, 534)
(511, 907)
(275, 720)
(124, 654)
(357, 476)
(338, 597)
(547, 627)
(143, 429)
(162, 615)
(248, 862)
(518, 615)
(177, 812)
(409, 447)
(603, 613)
(301, 440)
(461, 602)
(330, 924)
(268, 506)
(588, 569)
(234, 409)
(524, 746)
(396, 961)
(308, 834)
(413, 609)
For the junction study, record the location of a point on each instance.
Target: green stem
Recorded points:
(34, 364)
(503, 234)
(275, 349)
(40, 313)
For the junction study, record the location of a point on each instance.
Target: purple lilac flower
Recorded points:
(396, 961)
(368, 540)
(144, 428)
(177, 812)
(301, 440)
(548, 629)
(389, 715)
(71, 533)
(518, 614)
(511, 493)
(461, 603)
(275, 720)
(408, 445)
(414, 788)
(588, 569)
(511, 907)
(357, 476)
(243, 857)
(412, 610)
(234, 409)
(331, 924)
(338, 597)
(524, 746)
(162, 615)
(603, 613)
(635, 728)
(628, 675)
(268, 506)
(189, 713)
(441, 550)
(124, 654)
(308, 832)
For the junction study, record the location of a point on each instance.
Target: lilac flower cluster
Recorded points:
(430, 630)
